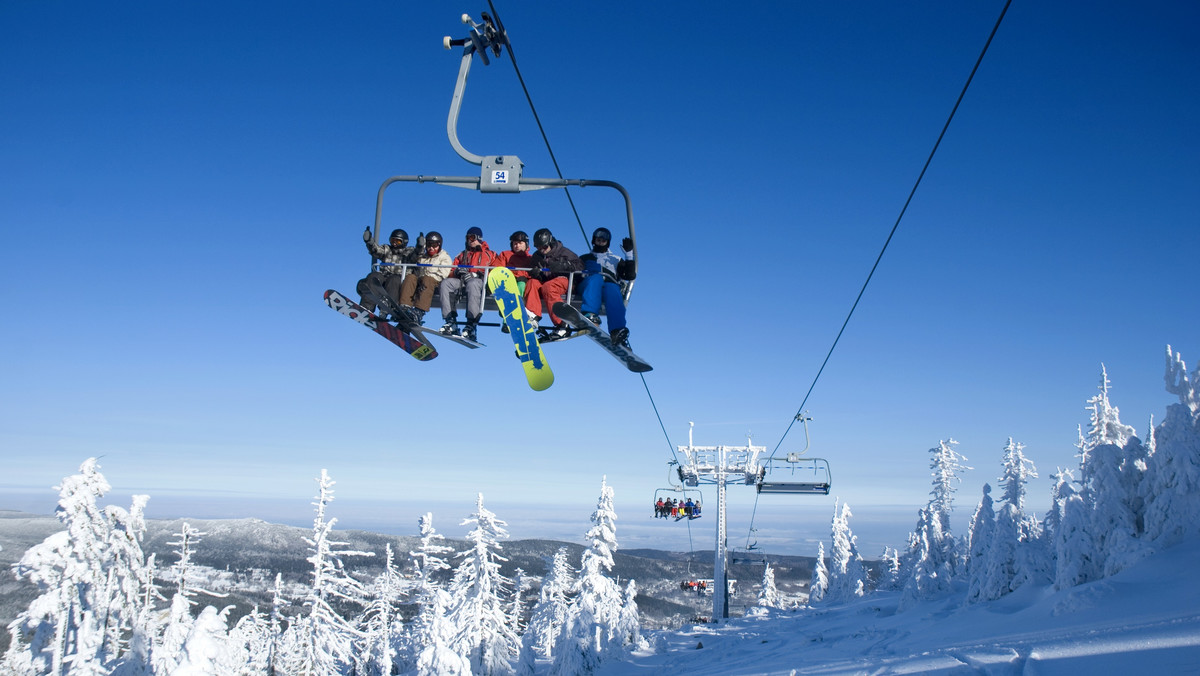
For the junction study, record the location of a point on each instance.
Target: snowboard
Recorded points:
(419, 349)
(506, 293)
(456, 338)
(572, 316)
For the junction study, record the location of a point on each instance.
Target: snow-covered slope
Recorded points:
(1144, 620)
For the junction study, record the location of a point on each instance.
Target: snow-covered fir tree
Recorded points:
(1114, 465)
(768, 593)
(979, 543)
(1173, 505)
(206, 648)
(516, 607)
(930, 562)
(1014, 557)
(253, 639)
(381, 625)
(552, 609)
(322, 641)
(890, 580)
(847, 576)
(427, 595)
(90, 580)
(820, 577)
(435, 657)
(478, 594)
(592, 632)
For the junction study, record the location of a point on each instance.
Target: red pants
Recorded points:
(549, 292)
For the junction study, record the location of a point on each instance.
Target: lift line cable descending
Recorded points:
(536, 118)
(503, 35)
(963, 93)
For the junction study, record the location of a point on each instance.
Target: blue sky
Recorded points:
(183, 181)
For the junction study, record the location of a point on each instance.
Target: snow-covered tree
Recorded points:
(482, 631)
(820, 577)
(983, 525)
(516, 609)
(847, 576)
(552, 609)
(322, 640)
(1113, 470)
(891, 579)
(930, 563)
(931, 566)
(768, 593)
(1173, 504)
(1014, 557)
(427, 594)
(945, 465)
(381, 623)
(206, 650)
(90, 578)
(252, 639)
(592, 633)
(435, 657)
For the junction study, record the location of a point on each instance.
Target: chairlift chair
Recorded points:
(794, 473)
(499, 173)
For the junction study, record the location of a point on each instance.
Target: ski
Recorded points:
(505, 291)
(418, 348)
(572, 316)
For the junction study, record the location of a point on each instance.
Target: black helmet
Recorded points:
(400, 235)
(542, 238)
(434, 238)
(602, 233)
(518, 236)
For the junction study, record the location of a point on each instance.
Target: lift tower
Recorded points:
(719, 466)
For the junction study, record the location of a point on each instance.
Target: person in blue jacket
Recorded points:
(603, 272)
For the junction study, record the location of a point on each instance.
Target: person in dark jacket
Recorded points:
(553, 264)
(392, 257)
(467, 276)
(603, 272)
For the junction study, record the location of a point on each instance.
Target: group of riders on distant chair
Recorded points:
(542, 274)
(677, 509)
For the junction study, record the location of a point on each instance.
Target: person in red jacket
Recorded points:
(518, 259)
(467, 276)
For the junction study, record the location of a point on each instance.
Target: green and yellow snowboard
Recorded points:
(505, 291)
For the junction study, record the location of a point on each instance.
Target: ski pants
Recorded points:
(390, 284)
(417, 291)
(548, 292)
(474, 288)
(595, 290)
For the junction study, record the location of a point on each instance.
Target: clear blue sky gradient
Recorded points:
(181, 183)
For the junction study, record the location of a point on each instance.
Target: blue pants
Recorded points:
(596, 289)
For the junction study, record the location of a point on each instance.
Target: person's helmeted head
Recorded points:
(542, 239)
(433, 243)
(398, 238)
(600, 239)
(474, 237)
(517, 239)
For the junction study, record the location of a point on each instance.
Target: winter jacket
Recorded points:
(479, 258)
(441, 265)
(559, 262)
(512, 259)
(614, 267)
(392, 257)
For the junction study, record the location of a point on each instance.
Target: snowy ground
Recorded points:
(1145, 620)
